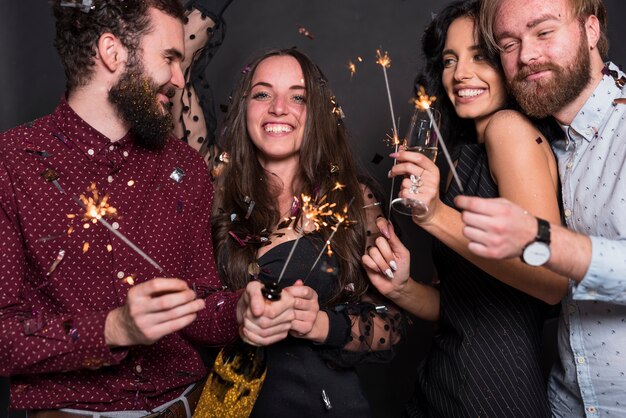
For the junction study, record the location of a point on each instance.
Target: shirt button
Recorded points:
(115, 225)
(138, 368)
(569, 165)
(110, 179)
(591, 409)
(580, 360)
(91, 152)
(125, 153)
(571, 309)
(120, 275)
(568, 213)
(111, 147)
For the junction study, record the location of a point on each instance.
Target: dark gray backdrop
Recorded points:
(31, 82)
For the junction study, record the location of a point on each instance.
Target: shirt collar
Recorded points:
(78, 133)
(590, 117)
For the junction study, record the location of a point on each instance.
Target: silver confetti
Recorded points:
(177, 175)
(326, 400)
(56, 262)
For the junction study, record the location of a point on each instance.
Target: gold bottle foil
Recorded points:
(234, 383)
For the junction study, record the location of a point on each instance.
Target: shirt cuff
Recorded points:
(339, 328)
(87, 333)
(606, 278)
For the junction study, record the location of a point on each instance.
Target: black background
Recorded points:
(31, 83)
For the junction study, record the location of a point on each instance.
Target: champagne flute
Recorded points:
(421, 137)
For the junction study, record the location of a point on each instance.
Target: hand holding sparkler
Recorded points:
(421, 138)
(264, 323)
(153, 309)
(310, 323)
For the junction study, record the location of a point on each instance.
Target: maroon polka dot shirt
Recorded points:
(60, 275)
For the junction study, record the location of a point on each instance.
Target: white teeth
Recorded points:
(278, 128)
(470, 92)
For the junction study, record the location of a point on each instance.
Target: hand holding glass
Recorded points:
(422, 138)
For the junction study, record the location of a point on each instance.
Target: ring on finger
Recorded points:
(416, 182)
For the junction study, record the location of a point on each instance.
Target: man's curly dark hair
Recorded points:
(78, 30)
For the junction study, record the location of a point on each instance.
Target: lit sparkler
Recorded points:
(314, 213)
(95, 208)
(341, 218)
(423, 101)
(385, 61)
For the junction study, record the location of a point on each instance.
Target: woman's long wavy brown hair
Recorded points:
(325, 144)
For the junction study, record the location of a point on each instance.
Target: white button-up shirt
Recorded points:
(590, 380)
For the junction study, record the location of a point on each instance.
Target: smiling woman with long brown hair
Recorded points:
(286, 139)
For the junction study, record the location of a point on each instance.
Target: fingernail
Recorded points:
(389, 273)
(385, 232)
(393, 265)
(394, 155)
(389, 175)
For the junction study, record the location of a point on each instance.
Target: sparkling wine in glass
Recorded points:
(422, 138)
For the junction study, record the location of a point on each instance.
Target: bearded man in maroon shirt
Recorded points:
(89, 327)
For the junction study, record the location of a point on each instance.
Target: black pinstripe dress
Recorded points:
(486, 354)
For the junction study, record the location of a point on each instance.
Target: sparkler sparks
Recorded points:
(96, 207)
(341, 219)
(423, 100)
(383, 59)
(351, 68)
(339, 186)
(305, 32)
(392, 140)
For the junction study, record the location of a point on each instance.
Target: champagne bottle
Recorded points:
(238, 373)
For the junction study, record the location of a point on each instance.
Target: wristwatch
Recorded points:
(537, 252)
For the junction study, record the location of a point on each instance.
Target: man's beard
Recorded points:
(135, 100)
(542, 98)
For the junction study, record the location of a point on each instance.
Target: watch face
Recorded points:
(536, 253)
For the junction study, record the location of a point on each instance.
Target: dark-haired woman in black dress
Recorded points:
(486, 355)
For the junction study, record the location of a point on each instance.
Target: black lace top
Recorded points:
(301, 373)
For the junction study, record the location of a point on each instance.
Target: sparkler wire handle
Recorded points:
(131, 245)
(384, 61)
(293, 247)
(442, 143)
